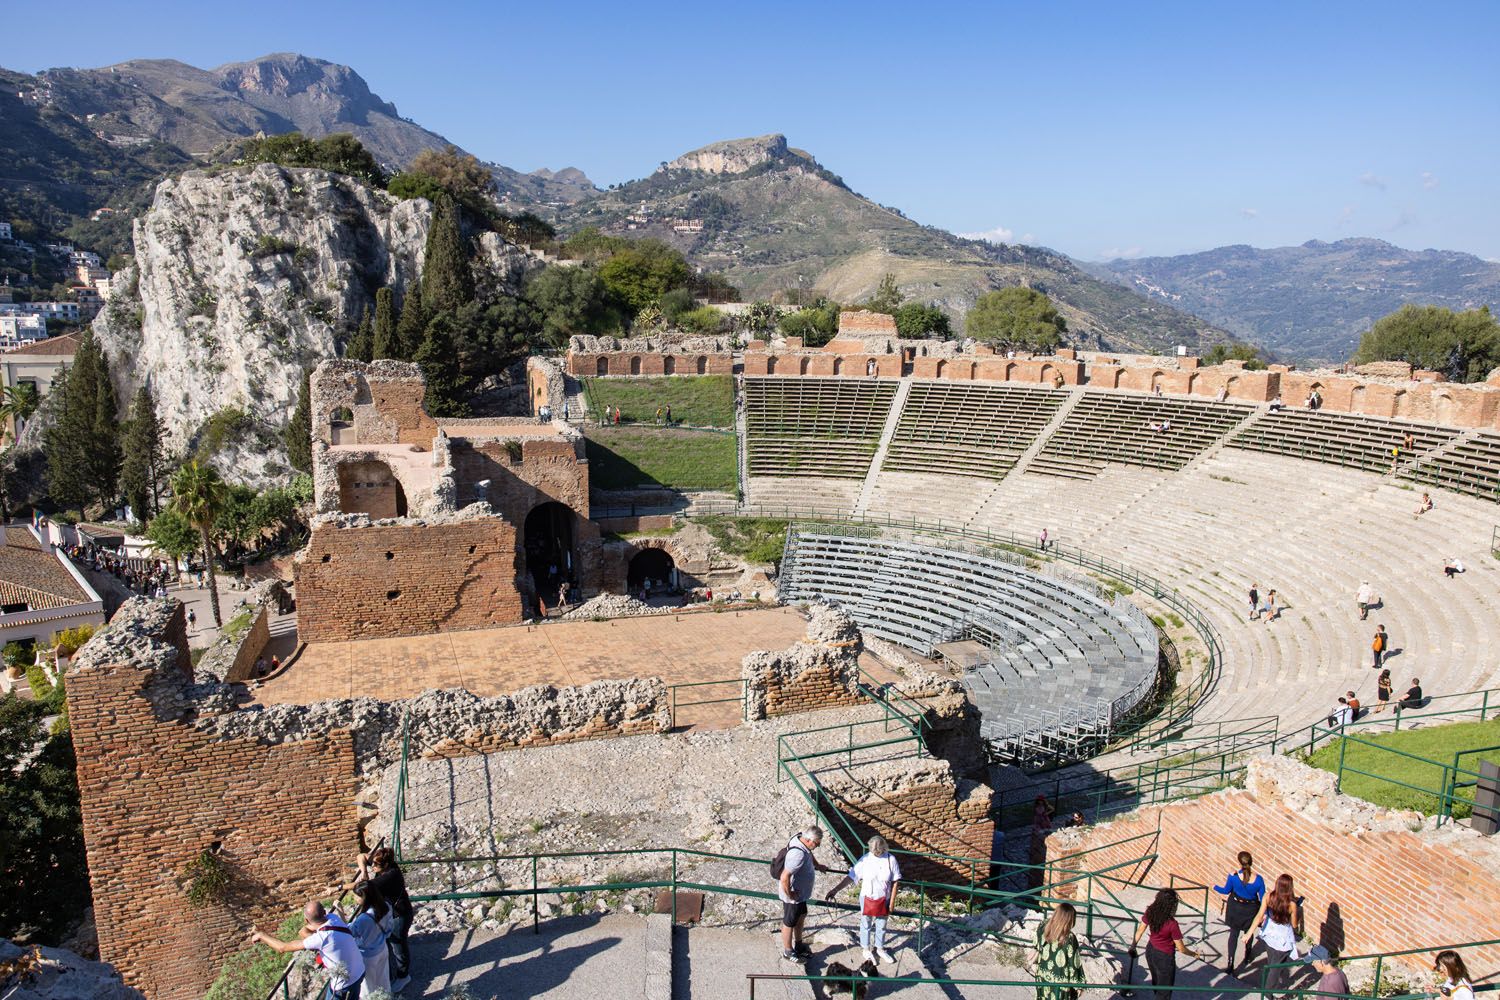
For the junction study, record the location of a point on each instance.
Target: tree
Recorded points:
(591, 244)
(234, 523)
(83, 446)
(361, 346)
(887, 298)
(386, 344)
(199, 495)
(20, 404)
(1233, 351)
(341, 153)
(1016, 317)
(571, 301)
(298, 433)
(642, 273)
(450, 171)
(1464, 346)
(447, 281)
(142, 469)
(917, 319)
(438, 358)
(760, 317)
(172, 535)
(815, 324)
(675, 303)
(43, 870)
(412, 326)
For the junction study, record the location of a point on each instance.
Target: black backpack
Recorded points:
(778, 863)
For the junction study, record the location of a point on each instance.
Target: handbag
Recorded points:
(875, 907)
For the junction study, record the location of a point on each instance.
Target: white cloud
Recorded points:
(1429, 180)
(1119, 253)
(1249, 213)
(1368, 179)
(997, 235)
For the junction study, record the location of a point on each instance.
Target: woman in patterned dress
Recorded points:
(1057, 959)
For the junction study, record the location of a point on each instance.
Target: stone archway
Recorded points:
(548, 550)
(635, 364)
(370, 487)
(702, 365)
(668, 365)
(601, 367)
(654, 567)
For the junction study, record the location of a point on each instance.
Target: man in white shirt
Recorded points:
(326, 934)
(1364, 598)
(878, 876)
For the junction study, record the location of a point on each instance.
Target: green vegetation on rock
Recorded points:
(696, 400)
(623, 458)
(1463, 347)
(1021, 318)
(755, 539)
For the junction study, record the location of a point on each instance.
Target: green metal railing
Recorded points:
(854, 979)
(677, 701)
(1380, 958)
(1452, 775)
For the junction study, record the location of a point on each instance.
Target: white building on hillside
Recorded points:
(18, 330)
(41, 592)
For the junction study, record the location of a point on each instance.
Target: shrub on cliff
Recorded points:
(340, 153)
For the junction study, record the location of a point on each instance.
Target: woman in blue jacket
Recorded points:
(1245, 890)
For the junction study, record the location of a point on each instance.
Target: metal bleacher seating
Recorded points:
(1351, 440)
(814, 426)
(1064, 662)
(964, 429)
(1110, 427)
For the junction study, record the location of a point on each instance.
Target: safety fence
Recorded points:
(685, 695)
(1445, 801)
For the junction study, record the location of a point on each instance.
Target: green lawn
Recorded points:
(1434, 743)
(697, 400)
(624, 458)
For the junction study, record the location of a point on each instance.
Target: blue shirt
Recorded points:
(1238, 887)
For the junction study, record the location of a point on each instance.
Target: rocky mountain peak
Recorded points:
(289, 76)
(733, 156)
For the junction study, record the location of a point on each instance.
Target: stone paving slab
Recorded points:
(572, 957)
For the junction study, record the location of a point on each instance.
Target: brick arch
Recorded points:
(838, 365)
(802, 364)
(1156, 380)
(1444, 408)
(1009, 371)
(1357, 398)
(1192, 384)
(370, 486)
(1047, 373)
(601, 367)
(668, 365)
(942, 367)
(770, 364)
(702, 365)
(635, 364)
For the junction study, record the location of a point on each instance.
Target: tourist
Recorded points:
(794, 887)
(371, 928)
(1222, 394)
(669, 414)
(1057, 957)
(1077, 820)
(1364, 598)
(1378, 646)
(1408, 441)
(1413, 697)
(617, 416)
(1276, 403)
(1383, 691)
(877, 874)
(1341, 715)
(1042, 540)
(1163, 939)
(565, 411)
(1254, 601)
(388, 879)
(562, 594)
(326, 935)
(1036, 856)
(658, 415)
(192, 618)
(1353, 703)
(1452, 567)
(275, 663)
(1270, 608)
(1331, 978)
(1245, 889)
(1282, 913)
(870, 368)
(1456, 984)
(1423, 506)
(1156, 389)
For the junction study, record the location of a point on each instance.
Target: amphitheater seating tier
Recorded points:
(814, 426)
(1351, 440)
(968, 430)
(1061, 656)
(1108, 427)
(1471, 466)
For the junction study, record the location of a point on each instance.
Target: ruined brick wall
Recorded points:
(363, 581)
(548, 469)
(385, 398)
(156, 792)
(1371, 881)
(819, 671)
(918, 804)
(600, 363)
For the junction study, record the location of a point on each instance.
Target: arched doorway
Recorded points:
(370, 487)
(635, 364)
(601, 367)
(702, 365)
(669, 365)
(547, 540)
(653, 566)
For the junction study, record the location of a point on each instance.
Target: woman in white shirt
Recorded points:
(877, 874)
(1456, 984)
(1282, 912)
(371, 927)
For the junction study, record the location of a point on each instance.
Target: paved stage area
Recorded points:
(679, 648)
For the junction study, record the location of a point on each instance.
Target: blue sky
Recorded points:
(1098, 129)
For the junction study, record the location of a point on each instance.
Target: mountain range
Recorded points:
(1309, 302)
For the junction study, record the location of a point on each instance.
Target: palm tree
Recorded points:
(20, 404)
(199, 495)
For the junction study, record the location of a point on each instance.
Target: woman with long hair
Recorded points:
(1456, 984)
(379, 868)
(1245, 889)
(1282, 923)
(1383, 688)
(1057, 958)
(1163, 940)
(371, 927)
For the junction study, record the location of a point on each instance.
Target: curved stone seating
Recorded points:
(1109, 426)
(1089, 659)
(968, 430)
(814, 426)
(1347, 439)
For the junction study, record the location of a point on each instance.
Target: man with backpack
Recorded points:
(795, 870)
(326, 934)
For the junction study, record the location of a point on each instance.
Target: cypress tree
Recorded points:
(83, 447)
(298, 433)
(386, 343)
(438, 358)
(141, 472)
(361, 346)
(412, 329)
(447, 282)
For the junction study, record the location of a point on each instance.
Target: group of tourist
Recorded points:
(1267, 609)
(149, 578)
(367, 954)
(614, 414)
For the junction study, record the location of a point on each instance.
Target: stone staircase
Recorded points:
(892, 419)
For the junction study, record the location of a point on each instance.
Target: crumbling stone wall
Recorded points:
(385, 398)
(359, 579)
(156, 793)
(1373, 877)
(819, 671)
(918, 804)
(665, 355)
(545, 385)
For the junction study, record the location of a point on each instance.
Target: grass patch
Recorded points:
(698, 400)
(1437, 744)
(754, 539)
(624, 458)
(250, 972)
